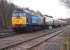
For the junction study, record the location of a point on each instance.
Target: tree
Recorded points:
(66, 3)
(48, 16)
(3, 5)
(6, 10)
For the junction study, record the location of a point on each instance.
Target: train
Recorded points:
(54, 22)
(25, 21)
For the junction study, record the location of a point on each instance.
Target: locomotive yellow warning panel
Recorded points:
(20, 20)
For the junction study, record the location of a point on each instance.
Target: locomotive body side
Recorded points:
(35, 22)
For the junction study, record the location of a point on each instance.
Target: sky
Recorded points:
(50, 7)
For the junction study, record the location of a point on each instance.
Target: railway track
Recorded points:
(7, 33)
(28, 41)
(27, 45)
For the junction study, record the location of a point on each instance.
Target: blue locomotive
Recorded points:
(25, 22)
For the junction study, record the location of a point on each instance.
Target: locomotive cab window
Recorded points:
(16, 15)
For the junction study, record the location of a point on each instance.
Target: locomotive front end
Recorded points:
(19, 21)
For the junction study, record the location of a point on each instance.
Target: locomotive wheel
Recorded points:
(17, 30)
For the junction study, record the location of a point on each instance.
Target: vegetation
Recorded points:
(6, 10)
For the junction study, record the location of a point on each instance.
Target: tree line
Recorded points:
(6, 10)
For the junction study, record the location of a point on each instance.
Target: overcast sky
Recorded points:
(50, 7)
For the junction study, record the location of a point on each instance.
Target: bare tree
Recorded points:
(5, 12)
(66, 3)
